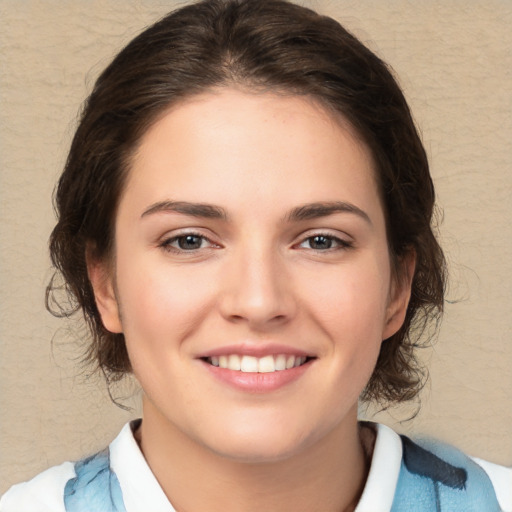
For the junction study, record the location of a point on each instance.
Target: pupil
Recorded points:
(321, 242)
(189, 242)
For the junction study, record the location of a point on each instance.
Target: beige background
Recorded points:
(453, 58)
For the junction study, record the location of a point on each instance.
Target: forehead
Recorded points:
(227, 144)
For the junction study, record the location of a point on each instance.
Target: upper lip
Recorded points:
(257, 349)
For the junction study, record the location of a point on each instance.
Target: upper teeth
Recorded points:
(252, 364)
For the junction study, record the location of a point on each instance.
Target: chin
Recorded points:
(258, 451)
(258, 443)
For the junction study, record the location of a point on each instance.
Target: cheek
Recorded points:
(352, 301)
(351, 309)
(160, 304)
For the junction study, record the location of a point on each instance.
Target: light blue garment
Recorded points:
(95, 487)
(433, 478)
(440, 478)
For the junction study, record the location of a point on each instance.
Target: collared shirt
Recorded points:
(142, 493)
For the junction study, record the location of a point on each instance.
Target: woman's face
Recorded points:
(251, 235)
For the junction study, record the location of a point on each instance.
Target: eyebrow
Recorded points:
(324, 209)
(305, 212)
(194, 209)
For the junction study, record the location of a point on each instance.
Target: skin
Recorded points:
(256, 277)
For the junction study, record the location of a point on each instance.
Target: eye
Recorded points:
(321, 242)
(186, 242)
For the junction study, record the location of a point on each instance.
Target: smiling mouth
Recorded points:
(251, 364)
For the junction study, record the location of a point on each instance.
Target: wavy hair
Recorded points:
(270, 45)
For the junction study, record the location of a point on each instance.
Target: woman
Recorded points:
(245, 221)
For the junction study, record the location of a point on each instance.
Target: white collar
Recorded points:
(380, 486)
(141, 490)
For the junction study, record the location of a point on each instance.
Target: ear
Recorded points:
(400, 293)
(100, 276)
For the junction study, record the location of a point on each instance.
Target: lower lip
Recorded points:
(258, 382)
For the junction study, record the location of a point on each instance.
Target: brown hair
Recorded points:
(264, 44)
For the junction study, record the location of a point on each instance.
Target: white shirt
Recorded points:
(142, 492)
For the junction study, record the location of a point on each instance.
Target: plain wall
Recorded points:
(453, 59)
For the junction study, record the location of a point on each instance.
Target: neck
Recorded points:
(328, 475)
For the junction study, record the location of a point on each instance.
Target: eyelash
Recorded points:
(339, 243)
(167, 243)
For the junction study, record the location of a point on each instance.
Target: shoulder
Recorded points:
(44, 493)
(446, 478)
(70, 487)
(422, 476)
(114, 479)
(501, 478)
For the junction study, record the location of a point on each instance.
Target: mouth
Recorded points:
(252, 364)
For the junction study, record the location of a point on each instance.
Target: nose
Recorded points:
(257, 290)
